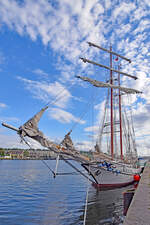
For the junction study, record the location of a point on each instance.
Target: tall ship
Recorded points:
(113, 161)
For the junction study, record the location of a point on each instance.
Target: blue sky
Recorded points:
(40, 45)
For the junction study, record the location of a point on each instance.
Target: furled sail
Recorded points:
(30, 128)
(108, 85)
(67, 142)
(108, 68)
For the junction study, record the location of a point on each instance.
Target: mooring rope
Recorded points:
(86, 202)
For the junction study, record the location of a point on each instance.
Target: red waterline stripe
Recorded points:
(108, 186)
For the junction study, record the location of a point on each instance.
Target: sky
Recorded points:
(41, 43)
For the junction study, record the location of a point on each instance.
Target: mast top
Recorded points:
(109, 51)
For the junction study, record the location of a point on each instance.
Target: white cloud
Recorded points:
(70, 22)
(138, 14)
(98, 9)
(107, 4)
(123, 10)
(3, 105)
(40, 72)
(13, 141)
(143, 146)
(8, 119)
(56, 94)
(53, 93)
(67, 26)
(63, 28)
(144, 24)
(147, 2)
(92, 129)
(84, 145)
(125, 28)
(63, 116)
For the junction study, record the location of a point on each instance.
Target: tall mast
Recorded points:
(112, 86)
(111, 105)
(120, 118)
(106, 50)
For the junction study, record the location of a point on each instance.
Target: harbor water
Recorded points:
(29, 195)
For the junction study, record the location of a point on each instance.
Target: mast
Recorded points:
(111, 105)
(112, 86)
(106, 50)
(108, 68)
(120, 118)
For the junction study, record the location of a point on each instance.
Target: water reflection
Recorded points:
(30, 195)
(105, 207)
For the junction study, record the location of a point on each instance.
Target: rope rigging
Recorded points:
(58, 96)
(129, 135)
(101, 128)
(86, 202)
(104, 117)
(82, 114)
(132, 127)
(48, 167)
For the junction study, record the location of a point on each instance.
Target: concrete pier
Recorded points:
(139, 210)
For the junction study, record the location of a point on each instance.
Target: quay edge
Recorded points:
(139, 210)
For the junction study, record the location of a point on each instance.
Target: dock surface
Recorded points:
(139, 210)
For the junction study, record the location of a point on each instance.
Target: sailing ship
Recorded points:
(105, 170)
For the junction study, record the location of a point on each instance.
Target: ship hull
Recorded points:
(111, 186)
(108, 178)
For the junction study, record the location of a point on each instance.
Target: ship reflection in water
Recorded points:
(105, 207)
(30, 195)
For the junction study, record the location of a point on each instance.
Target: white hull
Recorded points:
(114, 176)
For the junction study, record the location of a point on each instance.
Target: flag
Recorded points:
(117, 58)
